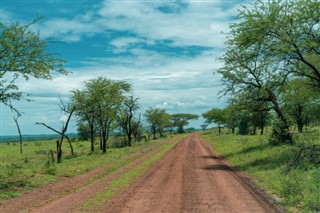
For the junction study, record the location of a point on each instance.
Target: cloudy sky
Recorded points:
(167, 50)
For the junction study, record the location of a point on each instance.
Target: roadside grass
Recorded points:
(119, 184)
(296, 189)
(34, 167)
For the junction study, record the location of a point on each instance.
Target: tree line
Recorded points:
(271, 69)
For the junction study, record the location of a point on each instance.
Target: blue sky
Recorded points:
(166, 49)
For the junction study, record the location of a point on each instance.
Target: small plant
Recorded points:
(26, 160)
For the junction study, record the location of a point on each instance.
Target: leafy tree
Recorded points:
(214, 116)
(23, 54)
(287, 33)
(299, 99)
(83, 131)
(126, 118)
(182, 119)
(158, 119)
(107, 96)
(85, 104)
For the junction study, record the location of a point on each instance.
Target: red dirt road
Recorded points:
(190, 178)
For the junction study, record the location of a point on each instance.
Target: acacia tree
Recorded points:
(126, 118)
(85, 105)
(182, 119)
(158, 119)
(287, 32)
(107, 96)
(23, 54)
(214, 116)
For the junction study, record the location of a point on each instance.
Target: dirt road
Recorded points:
(188, 178)
(191, 179)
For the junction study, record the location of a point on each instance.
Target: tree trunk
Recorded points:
(300, 125)
(71, 147)
(219, 128)
(284, 133)
(262, 130)
(59, 151)
(129, 140)
(92, 138)
(232, 130)
(254, 130)
(104, 142)
(19, 131)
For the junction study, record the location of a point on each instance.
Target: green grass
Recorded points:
(296, 190)
(33, 168)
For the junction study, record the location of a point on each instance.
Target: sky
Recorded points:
(167, 50)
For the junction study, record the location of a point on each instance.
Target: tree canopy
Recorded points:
(23, 54)
(180, 120)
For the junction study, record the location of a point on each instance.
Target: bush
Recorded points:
(280, 134)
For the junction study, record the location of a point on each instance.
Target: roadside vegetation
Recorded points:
(36, 168)
(294, 183)
(271, 73)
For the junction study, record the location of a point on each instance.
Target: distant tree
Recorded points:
(157, 119)
(127, 118)
(83, 131)
(23, 53)
(214, 116)
(182, 119)
(299, 99)
(204, 126)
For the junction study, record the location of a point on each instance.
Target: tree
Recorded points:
(287, 32)
(107, 96)
(258, 79)
(299, 99)
(63, 133)
(83, 131)
(182, 119)
(19, 131)
(157, 119)
(23, 54)
(85, 105)
(214, 116)
(126, 118)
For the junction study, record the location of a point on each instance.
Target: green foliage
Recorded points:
(24, 54)
(157, 119)
(83, 131)
(182, 119)
(280, 134)
(104, 98)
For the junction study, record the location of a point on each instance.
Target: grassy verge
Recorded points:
(33, 168)
(297, 189)
(119, 184)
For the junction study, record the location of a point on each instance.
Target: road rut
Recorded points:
(190, 178)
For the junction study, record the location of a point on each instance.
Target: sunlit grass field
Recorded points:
(297, 189)
(35, 168)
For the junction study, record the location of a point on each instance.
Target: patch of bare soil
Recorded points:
(44, 199)
(190, 178)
